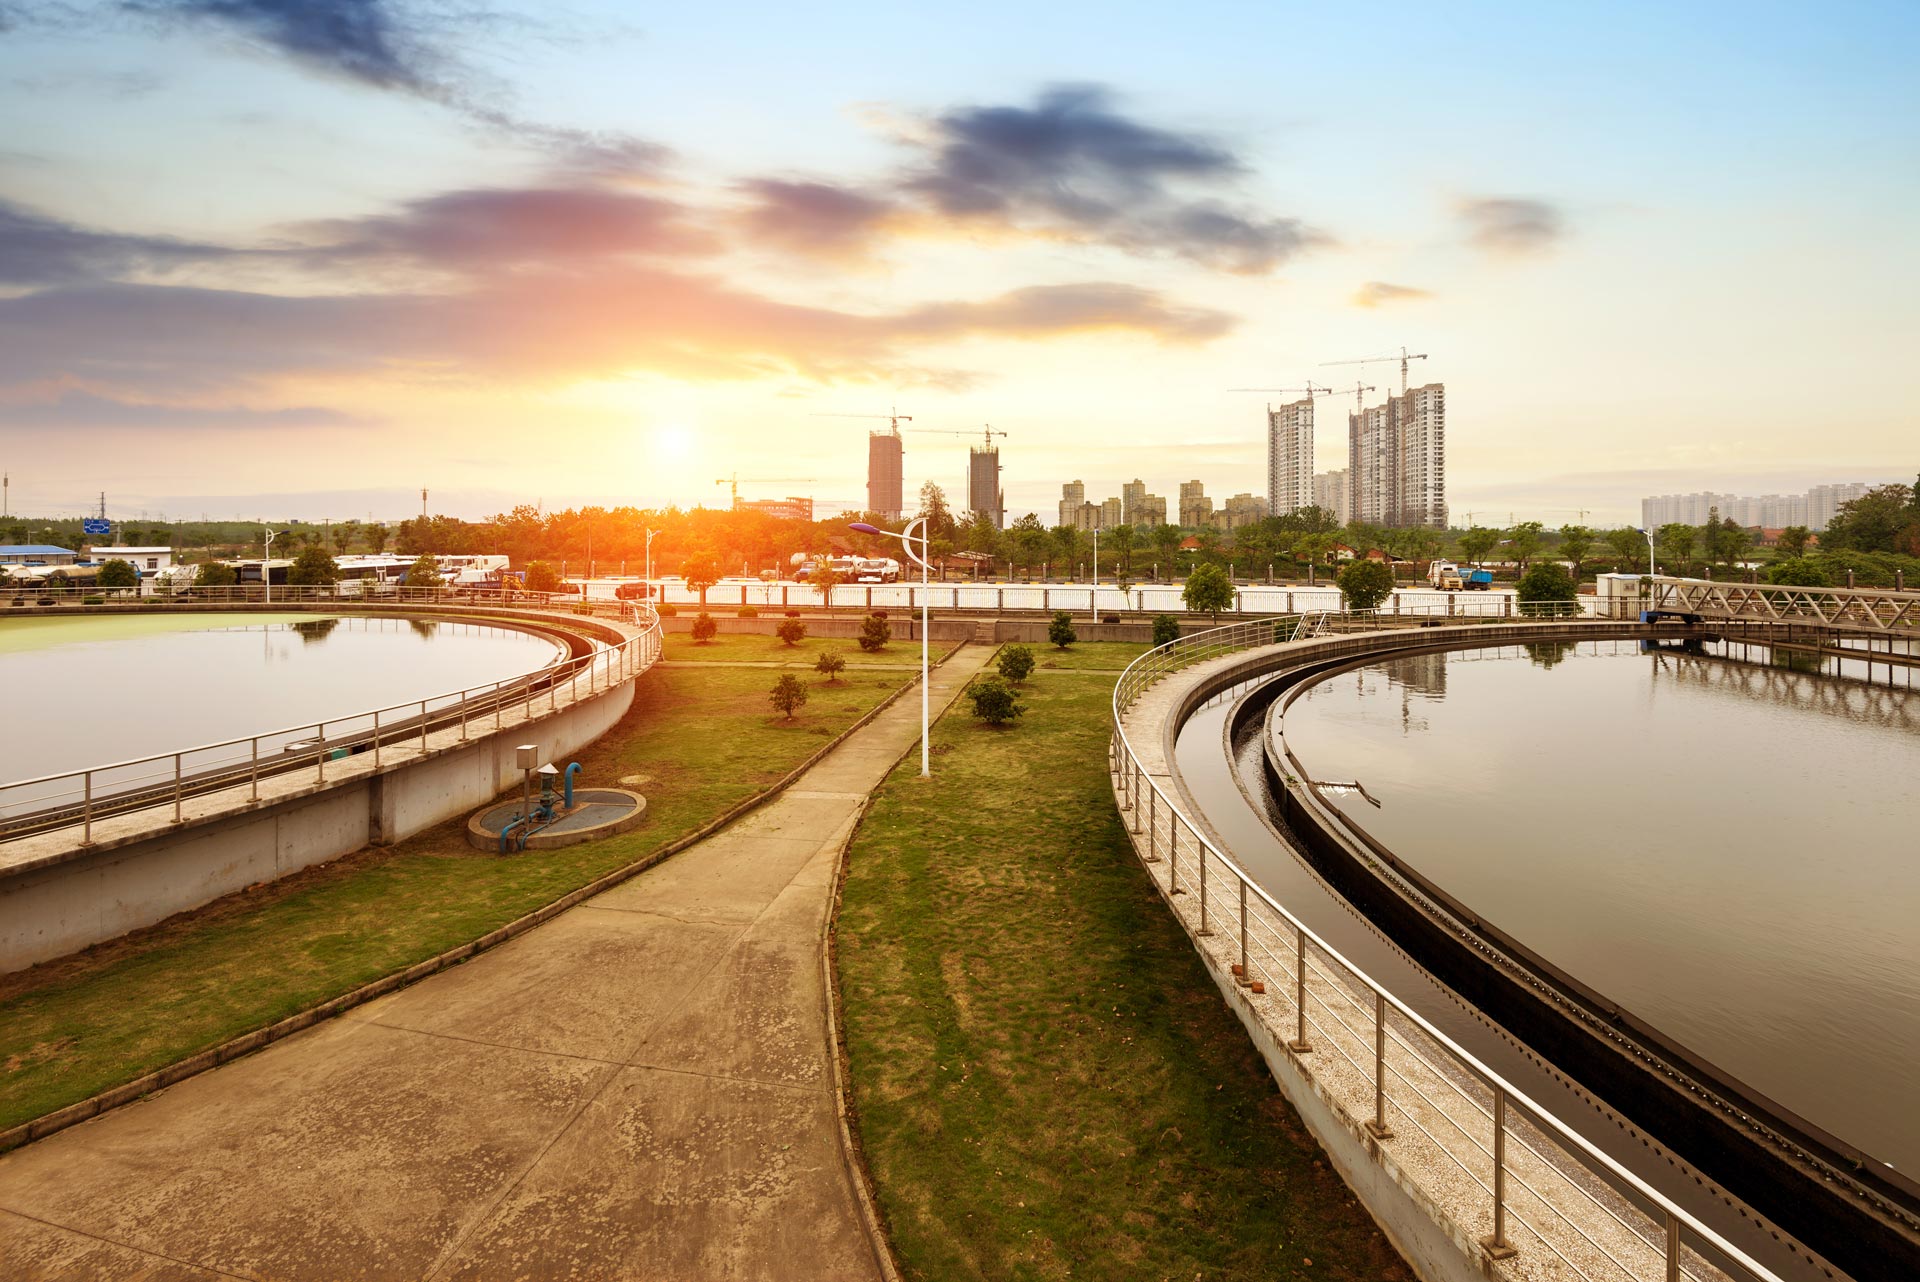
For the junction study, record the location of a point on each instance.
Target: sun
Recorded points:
(673, 441)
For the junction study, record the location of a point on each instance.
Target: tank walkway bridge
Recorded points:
(1862, 609)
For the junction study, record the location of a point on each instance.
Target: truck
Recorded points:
(1449, 577)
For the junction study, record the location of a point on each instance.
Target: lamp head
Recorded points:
(864, 528)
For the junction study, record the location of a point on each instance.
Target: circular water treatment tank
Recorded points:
(596, 813)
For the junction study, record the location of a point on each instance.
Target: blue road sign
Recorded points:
(94, 525)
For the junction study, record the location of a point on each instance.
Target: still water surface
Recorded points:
(84, 692)
(1729, 850)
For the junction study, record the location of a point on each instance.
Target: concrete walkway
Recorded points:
(641, 1088)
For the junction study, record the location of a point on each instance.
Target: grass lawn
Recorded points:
(1087, 656)
(757, 649)
(1047, 1083)
(700, 739)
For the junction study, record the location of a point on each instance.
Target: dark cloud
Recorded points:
(37, 250)
(1378, 293)
(812, 217)
(1071, 165)
(370, 41)
(497, 227)
(1511, 224)
(159, 342)
(83, 410)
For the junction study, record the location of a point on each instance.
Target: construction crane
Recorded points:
(1308, 390)
(733, 482)
(1404, 357)
(991, 432)
(1360, 391)
(896, 418)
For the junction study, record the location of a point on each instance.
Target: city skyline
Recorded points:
(251, 261)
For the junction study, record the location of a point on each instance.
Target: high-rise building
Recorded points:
(791, 508)
(1330, 493)
(1196, 509)
(983, 484)
(1072, 495)
(1110, 514)
(1814, 509)
(1087, 517)
(884, 486)
(1290, 456)
(1241, 509)
(1151, 512)
(1133, 496)
(1397, 460)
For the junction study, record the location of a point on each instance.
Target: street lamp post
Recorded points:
(266, 562)
(649, 578)
(1650, 566)
(907, 539)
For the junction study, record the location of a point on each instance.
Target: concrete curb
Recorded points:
(60, 1119)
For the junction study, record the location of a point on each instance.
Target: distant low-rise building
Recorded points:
(36, 554)
(148, 560)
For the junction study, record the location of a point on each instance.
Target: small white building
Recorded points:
(147, 560)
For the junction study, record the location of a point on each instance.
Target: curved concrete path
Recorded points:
(640, 1088)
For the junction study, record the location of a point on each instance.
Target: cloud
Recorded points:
(369, 41)
(1072, 166)
(85, 411)
(812, 218)
(1511, 225)
(160, 341)
(488, 228)
(1378, 293)
(38, 250)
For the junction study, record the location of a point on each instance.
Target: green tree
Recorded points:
(117, 574)
(1365, 584)
(1314, 549)
(701, 571)
(1208, 590)
(1873, 522)
(704, 628)
(542, 577)
(1016, 663)
(933, 506)
(791, 631)
(343, 536)
(1420, 542)
(1575, 542)
(1793, 542)
(1476, 543)
(314, 567)
(1674, 541)
(1060, 630)
(789, 693)
(423, 573)
(1122, 540)
(376, 537)
(215, 574)
(874, 633)
(823, 578)
(993, 700)
(1801, 572)
(1166, 629)
(1547, 589)
(1166, 546)
(830, 664)
(1626, 544)
(1027, 541)
(1726, 539)
(1523, 542)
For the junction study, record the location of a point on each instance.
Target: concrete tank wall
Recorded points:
(87, 895)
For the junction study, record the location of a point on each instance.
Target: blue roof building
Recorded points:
(35, 554)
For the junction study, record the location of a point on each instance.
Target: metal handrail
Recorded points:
(1678, 1229)
(625, 659)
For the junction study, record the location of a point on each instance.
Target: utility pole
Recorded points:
(423, 503)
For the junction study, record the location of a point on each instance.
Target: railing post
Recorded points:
(1299, 1045)
(1673, 1247)
(498, 703)
(423, 727)
(320, 751)
(86, 836)
(376, 738)
(1246, 976)
(1173, 869)
(1204, 928)
(254, 775)
(176, 788)
(1497, 1247)
(1153, 813)
(1378, 1126)
(1133, 795)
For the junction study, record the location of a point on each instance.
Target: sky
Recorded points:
(303, 258)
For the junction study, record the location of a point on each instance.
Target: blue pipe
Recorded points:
(569, 783)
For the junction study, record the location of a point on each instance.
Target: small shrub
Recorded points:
(788, 695)
(1060, 630)
(1365, 584)
(1016, 663)
(993, 701)
(829, 665)
(792, 631)
(704, 628)
(1109, 618)
(93, 600)
(793, 614)
(746, 612)
(1165, 628)
(874, 633)
(665, 611)
(879, 614)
